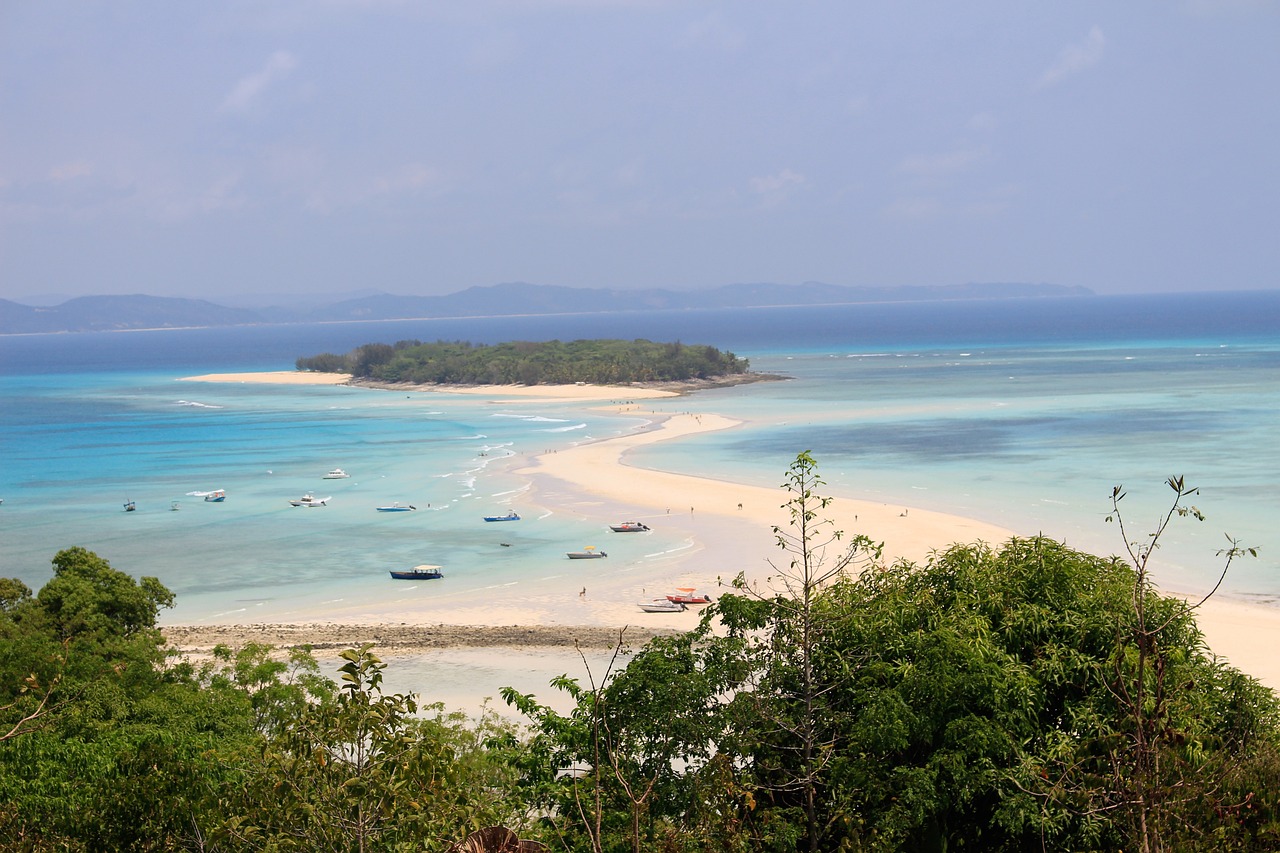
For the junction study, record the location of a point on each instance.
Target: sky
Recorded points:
(240, 150)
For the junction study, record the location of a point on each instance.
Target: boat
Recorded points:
(688, 595)
(310, 500)
(175, 506)
(337, 474)
(129, 506)
(418, 573)
(396, 507)
(629, 527)
(511, 516)
(215, 496)
(662, 605)
(587, 553)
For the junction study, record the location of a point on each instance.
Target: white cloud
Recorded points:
(712, 33)
(779, 183)
(408, 179)
(69, 171)
(279, 65)
(1075, 58)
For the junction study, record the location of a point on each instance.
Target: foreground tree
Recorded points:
(363, 772)
(121, 754)
(784, 629)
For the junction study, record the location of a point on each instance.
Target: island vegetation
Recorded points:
(1011, 698)
(598, 362)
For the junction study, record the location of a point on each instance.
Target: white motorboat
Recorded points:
(662, 605)
(310, 500)
(337, 474)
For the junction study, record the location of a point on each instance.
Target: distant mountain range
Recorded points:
(118, 313)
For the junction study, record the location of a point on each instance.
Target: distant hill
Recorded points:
(107, 313)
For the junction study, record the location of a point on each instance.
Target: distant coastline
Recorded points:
(153, 313)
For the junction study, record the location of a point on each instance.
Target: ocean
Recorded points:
(1024, 413)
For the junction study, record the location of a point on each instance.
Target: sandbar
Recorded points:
(729, 530)
(575, 392)
(274, 377)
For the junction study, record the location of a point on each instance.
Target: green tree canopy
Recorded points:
(604, 362)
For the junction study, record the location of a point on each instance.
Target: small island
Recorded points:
(595, 362)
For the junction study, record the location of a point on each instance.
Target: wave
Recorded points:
(193, 404)
(566, 428)
(529, 418)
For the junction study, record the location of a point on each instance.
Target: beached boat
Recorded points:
(629, 527)
(310, 500)
(511, 516)
(397, 507)
(418, 573)
(587, 553)
(337, 474)
(688, 595)
(662, 605)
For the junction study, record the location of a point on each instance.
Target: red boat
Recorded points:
(688, 595)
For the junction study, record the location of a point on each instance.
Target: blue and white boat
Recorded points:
(510, 516)
(396, 507)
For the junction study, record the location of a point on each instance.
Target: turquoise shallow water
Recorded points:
(1024, 414)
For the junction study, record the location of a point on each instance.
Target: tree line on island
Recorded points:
(1011, 698)
(598, 362)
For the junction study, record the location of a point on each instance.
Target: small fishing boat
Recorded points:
(418, 573)
(310, 500)
(396, 507)
(629, 527)
(337, 474)
(661, 605)
(688, 595)
(130, 506)
(175, 506)
(510, 516)
(587, 553)
(213, 496)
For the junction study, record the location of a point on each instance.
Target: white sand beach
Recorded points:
(728, 528)
(275, 377)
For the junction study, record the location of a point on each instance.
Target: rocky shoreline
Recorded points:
(403, 639)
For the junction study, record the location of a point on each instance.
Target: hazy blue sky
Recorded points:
(219, 148)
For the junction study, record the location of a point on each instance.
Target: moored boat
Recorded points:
(418, 573)
(337, 474)
(510, 516)
(130, 506)
(688, 595)
(587, 553)
(662, 605)
(310, 500)
(396, 507)
(629, 527)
